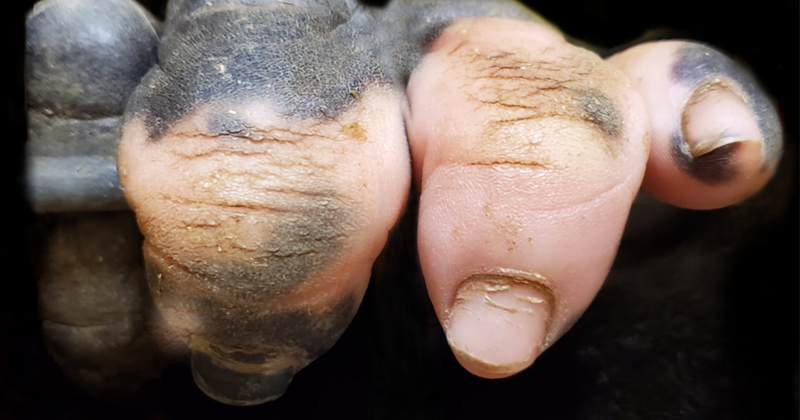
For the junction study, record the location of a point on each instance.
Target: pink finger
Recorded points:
(528, 152)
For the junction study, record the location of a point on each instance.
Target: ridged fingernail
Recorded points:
(498, 324)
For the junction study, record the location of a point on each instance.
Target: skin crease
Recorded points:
(337, 370)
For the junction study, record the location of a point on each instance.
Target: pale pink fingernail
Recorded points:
(498, 324)
(717, 116)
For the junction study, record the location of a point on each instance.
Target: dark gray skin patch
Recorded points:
(313, 333)
(85, 57)
(93, 301)
(241, 333)
(407, 27)
(60, 137)
(227, 125)
(305, 59)
(698, 64)
(238, 344)
(90, 273)
(301, 244)
(601, 111)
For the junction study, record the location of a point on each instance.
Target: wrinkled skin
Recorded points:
(669, 316)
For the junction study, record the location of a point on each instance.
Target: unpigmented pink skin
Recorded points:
(551, 201)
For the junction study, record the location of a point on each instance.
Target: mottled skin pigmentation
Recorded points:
(251, 147)
(657, 322)
(248, 107)
(698, 65)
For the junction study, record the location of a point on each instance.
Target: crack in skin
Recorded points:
(497, 162)
(302, 239)
(527, 86)
(246, 251)
(245, 207)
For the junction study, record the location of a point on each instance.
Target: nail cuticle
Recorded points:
(716, 84)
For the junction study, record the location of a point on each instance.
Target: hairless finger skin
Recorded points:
(306, 57)
(84, 59)
(249, 137)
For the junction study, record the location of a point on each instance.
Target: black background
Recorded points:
(698, 320)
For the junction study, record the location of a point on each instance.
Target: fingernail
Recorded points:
(248, 385)
(720, 135)
(498, 324)
(716, 116)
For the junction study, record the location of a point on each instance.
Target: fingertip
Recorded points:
(528, 153)
(716, 139)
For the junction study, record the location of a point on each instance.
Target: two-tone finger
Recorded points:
(716, 138)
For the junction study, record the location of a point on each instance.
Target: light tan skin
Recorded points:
(524, 194)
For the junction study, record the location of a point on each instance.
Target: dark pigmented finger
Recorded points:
(716, 137)
(96, 316)
(84, 58)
